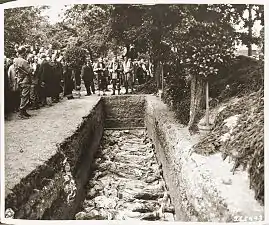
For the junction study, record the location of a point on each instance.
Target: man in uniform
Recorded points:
(23, 71)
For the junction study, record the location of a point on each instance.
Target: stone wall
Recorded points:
(124, 111)
(196, 184)
(39, 194)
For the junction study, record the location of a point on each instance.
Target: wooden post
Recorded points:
(207, 105)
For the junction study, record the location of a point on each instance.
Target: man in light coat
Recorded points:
(128, 75)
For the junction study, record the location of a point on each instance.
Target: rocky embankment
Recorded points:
(127, 182)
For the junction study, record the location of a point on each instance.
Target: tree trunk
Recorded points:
(250, 25)
(158, 74)
(197, 99)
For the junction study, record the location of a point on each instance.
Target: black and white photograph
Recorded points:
(138, 112)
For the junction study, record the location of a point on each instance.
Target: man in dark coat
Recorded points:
(46, 73)
(77, 78)
(87, 76)
(68, 81)
(57, 77)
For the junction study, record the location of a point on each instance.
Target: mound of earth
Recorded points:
(238, 133)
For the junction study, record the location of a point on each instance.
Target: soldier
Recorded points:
(99, 68)
(87, 76)
(23, 72)
(115, 69)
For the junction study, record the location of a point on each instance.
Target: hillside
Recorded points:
(238, 126)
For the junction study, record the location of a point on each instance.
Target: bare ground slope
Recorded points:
(29, 143)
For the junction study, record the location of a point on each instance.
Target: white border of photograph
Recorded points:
(22, 3)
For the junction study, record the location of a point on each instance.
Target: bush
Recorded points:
(150, 87)
(177, 93)
(243, 75)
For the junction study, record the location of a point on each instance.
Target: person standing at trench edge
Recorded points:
(115, 70)
(99, 68)
(128, 74)
(87, 75)
(23, 72)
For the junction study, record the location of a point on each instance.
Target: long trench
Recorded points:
(113, 172)
(127, 181)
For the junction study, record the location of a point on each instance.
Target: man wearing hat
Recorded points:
(23, 71)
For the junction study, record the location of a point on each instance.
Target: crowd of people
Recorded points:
(36, 74)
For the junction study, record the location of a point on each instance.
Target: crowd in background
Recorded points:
(36, 74)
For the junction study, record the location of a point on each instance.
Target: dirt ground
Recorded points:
(29, 143)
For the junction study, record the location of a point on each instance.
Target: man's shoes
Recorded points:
(24, 115)
(71, 97)
(21, 116)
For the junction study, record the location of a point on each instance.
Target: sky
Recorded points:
(54, 12)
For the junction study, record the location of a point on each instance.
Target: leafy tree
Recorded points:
(75, 56)
(203, 49)
(255, 13)
(92, 26)
(21, 26)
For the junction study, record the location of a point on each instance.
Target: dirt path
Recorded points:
(29, 143)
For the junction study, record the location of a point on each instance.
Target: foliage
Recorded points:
(146, 26)
(204, 48)
(177, 92)
(255, 13)
(75, 56)
(92, 26)
(149, 87)
(243, 75)
(21, 27)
